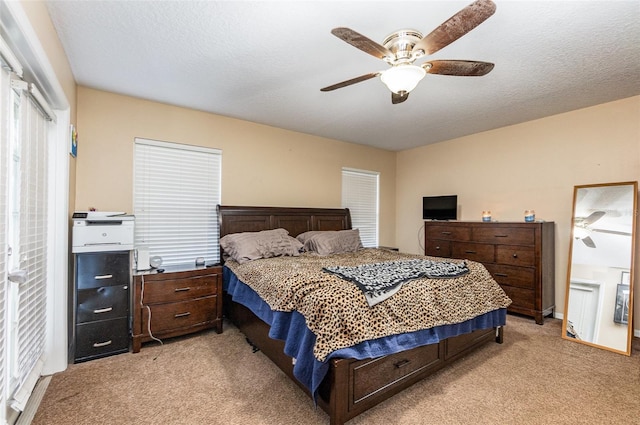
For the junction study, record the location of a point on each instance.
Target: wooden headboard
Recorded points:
(295, 220)
(233, 219)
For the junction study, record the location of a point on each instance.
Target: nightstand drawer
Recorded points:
(94, 270)
(483, 253)
(167, 317)
(171, 290)
(107, 302)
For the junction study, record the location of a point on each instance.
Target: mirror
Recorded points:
(599, 297)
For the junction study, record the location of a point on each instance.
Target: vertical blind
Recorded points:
(24, 133)
(360, 195)
(32, 157)
(176, 191)
(5, 90)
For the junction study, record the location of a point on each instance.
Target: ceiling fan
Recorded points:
(583, 228)
(402, 48)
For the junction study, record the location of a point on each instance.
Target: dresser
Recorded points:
(100, 305)
(179, 301)
(520, 257)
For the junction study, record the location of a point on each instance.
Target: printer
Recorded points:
(99, 231)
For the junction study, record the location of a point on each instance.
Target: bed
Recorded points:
(351, 378)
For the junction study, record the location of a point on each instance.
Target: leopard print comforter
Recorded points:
(336, 311)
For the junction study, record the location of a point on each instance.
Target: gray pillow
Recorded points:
(304, 237)
(331, 241)
(248, 246)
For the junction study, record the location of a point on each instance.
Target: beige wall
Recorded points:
(533, 165)
(261, 165)
(38, 16)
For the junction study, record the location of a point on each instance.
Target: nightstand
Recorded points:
(179, 301)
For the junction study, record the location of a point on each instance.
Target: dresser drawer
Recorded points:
(451, 233)
(504, 235)
(520, 297)
(522, 277)
(101, 338)
(371, 375)
(516, 255)
(107, 302)
(483, 253)
(170, 290)
(438, 248)
(94, 270)
(170, 316)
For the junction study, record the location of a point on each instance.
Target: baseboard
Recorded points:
(33, 403)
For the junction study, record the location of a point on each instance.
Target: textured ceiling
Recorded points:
(266, 61)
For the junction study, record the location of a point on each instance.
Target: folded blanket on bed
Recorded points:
(380, 281)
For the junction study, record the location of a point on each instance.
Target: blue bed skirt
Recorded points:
(291, 328)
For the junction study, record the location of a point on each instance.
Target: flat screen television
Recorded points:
(440, 207)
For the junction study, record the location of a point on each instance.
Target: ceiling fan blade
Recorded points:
(459, 67)
(351, 81)
(612, 232)
(361, 42)
(589, 242)
(593, 217)
(399, 98)
(456, 26)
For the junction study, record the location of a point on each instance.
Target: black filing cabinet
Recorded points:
(102, 283)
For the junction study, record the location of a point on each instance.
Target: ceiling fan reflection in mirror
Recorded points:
(583, 227)
(402, 48)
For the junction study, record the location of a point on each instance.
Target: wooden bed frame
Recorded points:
(351, 386)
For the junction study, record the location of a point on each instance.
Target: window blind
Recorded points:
(176, 191)
(30, 156)
(5, 95)
(360, 195)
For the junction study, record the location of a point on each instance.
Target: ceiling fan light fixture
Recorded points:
(580, 232)
(403, 78)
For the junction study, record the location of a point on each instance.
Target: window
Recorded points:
(26, 133)
(360, 195)
(176, 191)
(34, 201)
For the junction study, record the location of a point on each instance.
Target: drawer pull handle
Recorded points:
(182, 315)
(470, 252)
(437, 248)
(402, 363)
(501, 236)
(101, 344)
(502, 274)
(515, 255)
(182, 289)
(446, 233)
(103, 310)
(103, 276)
